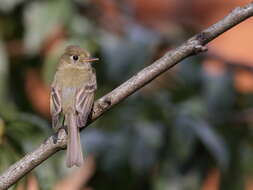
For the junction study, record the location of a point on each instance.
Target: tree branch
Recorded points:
(193, 46)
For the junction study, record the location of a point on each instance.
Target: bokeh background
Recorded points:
(189, 129)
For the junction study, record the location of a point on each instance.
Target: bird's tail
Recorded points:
(74, 148)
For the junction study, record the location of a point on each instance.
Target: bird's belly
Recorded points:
(68, 99)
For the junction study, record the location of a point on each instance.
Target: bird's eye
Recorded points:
(75, 57)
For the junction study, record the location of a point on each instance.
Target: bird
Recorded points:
(72, 97)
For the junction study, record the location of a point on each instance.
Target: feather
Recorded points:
(74, 148)
(55, 108)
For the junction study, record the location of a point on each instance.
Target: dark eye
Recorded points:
(75, 57)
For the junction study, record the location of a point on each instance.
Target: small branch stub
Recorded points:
(200, 49)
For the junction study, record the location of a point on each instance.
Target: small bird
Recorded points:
(72, 98)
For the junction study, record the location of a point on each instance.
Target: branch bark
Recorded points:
(192, 46)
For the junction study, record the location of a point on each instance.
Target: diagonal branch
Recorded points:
(193, 46)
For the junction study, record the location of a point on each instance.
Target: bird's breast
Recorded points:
(69, 80)
(73, 77)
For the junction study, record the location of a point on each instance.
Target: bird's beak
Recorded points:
(91, 59)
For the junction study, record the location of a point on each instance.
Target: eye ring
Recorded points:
(75, 57)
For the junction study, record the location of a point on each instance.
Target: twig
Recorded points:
(193, 46)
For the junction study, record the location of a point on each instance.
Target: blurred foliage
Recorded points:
(169, 135)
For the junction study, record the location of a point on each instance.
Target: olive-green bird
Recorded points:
(72, 97)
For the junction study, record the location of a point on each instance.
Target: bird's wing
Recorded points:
(84, 101)
(55, 107)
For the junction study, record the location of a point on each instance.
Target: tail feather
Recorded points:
(74, 148)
